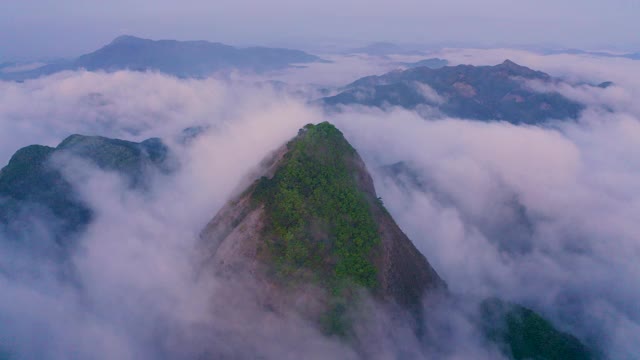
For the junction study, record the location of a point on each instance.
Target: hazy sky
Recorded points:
(37, 28)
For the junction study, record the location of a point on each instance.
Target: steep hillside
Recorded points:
(315, 218)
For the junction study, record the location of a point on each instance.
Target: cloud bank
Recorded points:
(543, 216)
(546, 217)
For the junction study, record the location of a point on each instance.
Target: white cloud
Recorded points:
(541, 216)
(547, 217)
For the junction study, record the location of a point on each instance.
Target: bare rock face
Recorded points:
(314, 235)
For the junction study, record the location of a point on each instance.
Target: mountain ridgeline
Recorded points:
(315, 219)
(185, 59)
(33, 183)
(499, 92)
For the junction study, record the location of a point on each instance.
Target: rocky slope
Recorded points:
(314, 220)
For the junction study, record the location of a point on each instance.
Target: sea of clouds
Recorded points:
(545, 216)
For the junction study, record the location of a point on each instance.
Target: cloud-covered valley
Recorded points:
(545, 216)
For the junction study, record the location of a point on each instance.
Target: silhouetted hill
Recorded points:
(433, 63)
(523, 334)
(32, 185)
(179, 58)
(476, 92)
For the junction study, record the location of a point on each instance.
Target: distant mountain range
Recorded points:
(433, 63)
(632, 56)
(497, 92)
(185, 59)
(385, 49)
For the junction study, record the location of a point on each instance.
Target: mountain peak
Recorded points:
(518, 70)
(315, 218)
(127, 39)
(509, 63)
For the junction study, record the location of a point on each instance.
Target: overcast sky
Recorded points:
(59, 28)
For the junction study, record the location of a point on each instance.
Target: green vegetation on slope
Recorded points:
(318, 219)
(527, 335)
(32, 183)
